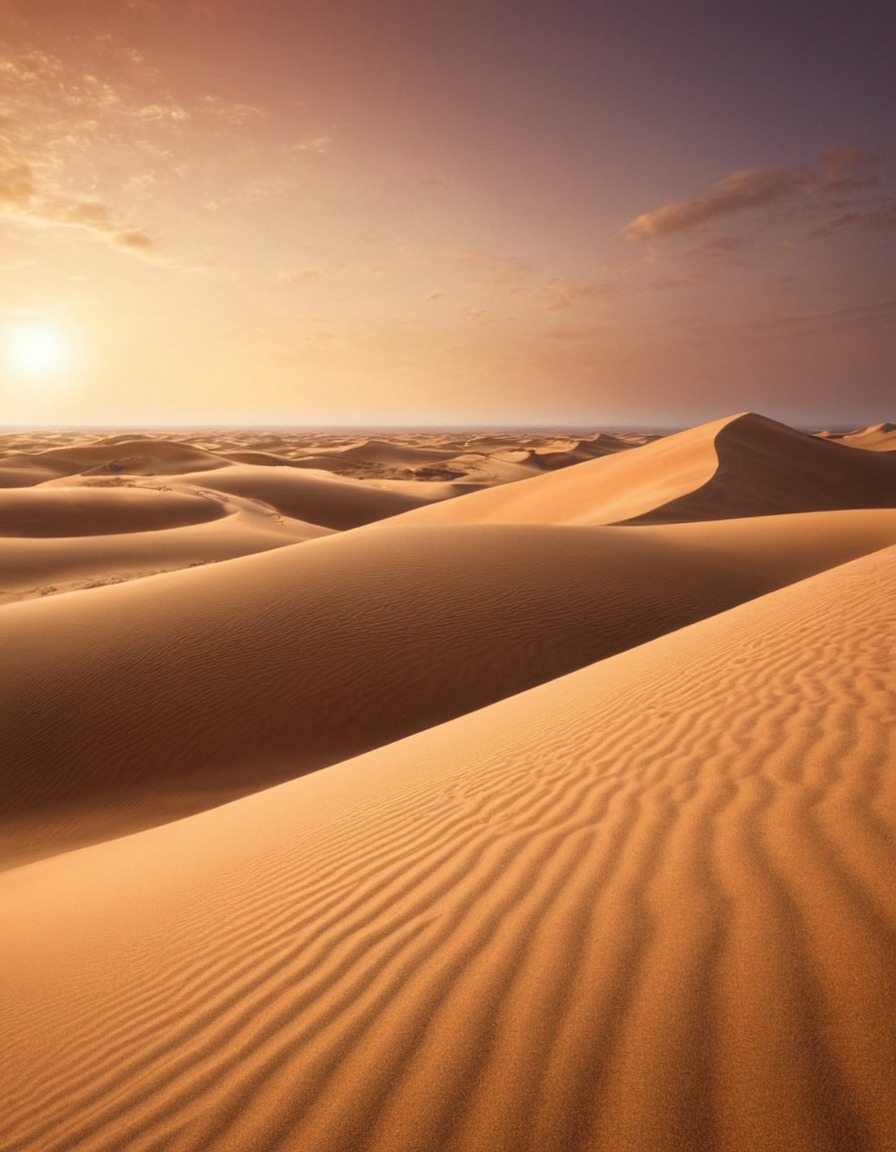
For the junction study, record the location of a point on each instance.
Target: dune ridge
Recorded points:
(183, 690)
(745, 465)
(626, 909)
(874, 438)
(66, 560)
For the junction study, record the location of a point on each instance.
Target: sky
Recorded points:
(389, 212)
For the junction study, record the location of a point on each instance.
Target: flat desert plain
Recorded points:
(482, 793)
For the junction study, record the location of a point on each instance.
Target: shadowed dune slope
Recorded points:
(135, 456)
(289, 486)
(766, 468)
(391, 452)
(96, 511)
(45, 566)
(645, 906)
(333, 502)
(745, 465)
(125, 706)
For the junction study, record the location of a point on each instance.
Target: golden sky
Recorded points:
(386, 212)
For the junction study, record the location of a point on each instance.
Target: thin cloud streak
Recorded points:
(22, 199)
(840, 168)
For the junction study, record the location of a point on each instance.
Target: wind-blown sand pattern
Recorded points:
(613, 872)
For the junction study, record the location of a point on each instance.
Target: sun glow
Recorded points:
(38, 349)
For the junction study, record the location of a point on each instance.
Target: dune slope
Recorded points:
(128, 705)
(63, 558)
(645, 906)
(766, 468)
(744, 465)
(319, 498)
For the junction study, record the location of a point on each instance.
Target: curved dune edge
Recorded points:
(46, 567)
(645, 906)
(146, 701)
(605, 490)
(875, 438)
(745, 465)
(48, 512)
(335, 502)
(766, 468)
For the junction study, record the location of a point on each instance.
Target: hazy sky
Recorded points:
(447, 211)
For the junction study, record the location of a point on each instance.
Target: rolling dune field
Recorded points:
(481, 793)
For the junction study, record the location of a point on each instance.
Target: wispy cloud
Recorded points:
(485, 268)
(311, 146)
(856, 318)
(234, 112)
(560, 294)
(877, 217)
(311, 273)
(839, 169)
(88, 125)
(22, 198)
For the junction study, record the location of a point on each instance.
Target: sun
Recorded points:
(38, 349)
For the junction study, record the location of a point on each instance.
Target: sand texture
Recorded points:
(516, 829)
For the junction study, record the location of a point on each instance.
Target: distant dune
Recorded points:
(874, 438)
(746, 465)
(475, 794)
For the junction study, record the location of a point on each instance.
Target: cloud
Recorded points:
(170, 111)
(314, 145)
(312, 273)
(561, 294)
(503, 271)
(874, 218)
(17, 185)
(299, 275)
(233, 112)
(859, 317)
(433, 296)
(571, 333)
(137, 242)
(21, 198)
(839, 169)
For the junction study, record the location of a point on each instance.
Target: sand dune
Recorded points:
(317, 498)
(745, 465)
(587, 835)
(647, 906)
(68, 560)
(464, 463)
(179, 691)
(95, 511)
(875, 438)
(144, 456)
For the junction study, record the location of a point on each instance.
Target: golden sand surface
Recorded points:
(493, 792)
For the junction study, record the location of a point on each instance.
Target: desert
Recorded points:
(447, 576)
(423, 790)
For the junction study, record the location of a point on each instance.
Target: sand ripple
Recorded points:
(632, 908)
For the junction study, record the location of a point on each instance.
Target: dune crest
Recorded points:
(235, 676)
(745, 465)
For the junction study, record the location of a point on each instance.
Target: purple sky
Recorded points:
(423, 212)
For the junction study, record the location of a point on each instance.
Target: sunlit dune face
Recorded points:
(36, 350)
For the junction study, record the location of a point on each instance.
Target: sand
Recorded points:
(875, 437)
(745, 465)
(549, 832)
